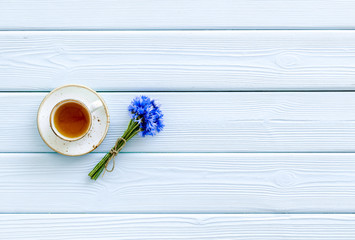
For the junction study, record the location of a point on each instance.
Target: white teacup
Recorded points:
(71, 119)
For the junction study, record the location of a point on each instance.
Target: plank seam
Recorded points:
(172, 29)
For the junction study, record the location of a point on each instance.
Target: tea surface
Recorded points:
(72, 120)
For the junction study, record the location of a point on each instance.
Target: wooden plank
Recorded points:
(208, 122)
(177, 226)
(178, 60)
(170, 14)
(179, 183)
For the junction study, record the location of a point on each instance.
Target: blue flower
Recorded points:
(147, 113)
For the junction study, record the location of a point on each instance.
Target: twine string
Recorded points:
(114, 152)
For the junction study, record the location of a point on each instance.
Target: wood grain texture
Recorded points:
(176, 227)
(179, 183)
(208, 122)
(170, 14)
(178, 60)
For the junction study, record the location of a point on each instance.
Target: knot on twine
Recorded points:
(114, 151)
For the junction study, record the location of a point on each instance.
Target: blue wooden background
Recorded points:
(259, 105)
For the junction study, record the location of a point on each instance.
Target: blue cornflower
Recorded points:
(147, 113)
(146, 118)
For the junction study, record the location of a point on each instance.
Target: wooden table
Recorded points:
(259, 107)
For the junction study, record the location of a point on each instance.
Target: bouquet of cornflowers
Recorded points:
(146, 119)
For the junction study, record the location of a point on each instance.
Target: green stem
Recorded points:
(100, 164)
(134, 134)
(131, 131)
(97, 174)
(129, 127)
(133, 127)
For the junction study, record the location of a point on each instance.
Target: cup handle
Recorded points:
(95, 106)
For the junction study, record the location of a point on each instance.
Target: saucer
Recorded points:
(97, 132)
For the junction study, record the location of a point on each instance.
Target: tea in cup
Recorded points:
(71, 119)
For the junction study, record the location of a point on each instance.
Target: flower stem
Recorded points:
(132, 129)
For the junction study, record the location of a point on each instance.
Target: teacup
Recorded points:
(71, 119)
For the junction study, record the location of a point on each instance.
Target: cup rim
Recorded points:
(54, 129)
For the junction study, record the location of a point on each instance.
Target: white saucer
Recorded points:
(98, 129)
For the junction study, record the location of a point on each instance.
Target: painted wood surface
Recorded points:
(178, 60)
(208, 122)
(179, 183)
(170, 14)
(223, 152)
(177, 226)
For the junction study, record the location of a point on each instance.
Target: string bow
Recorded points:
(114, 151)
